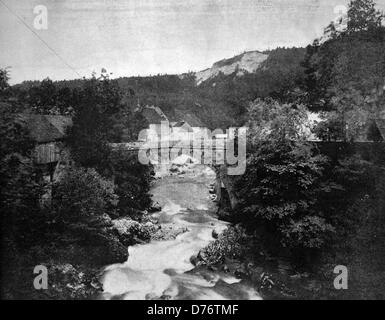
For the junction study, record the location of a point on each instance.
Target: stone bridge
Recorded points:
(213, 153)
(209, 152)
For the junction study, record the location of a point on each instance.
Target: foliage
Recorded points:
(268, 118)
(82, 196)
(282, 179)
(331, 129)
(132, 180)
(47, 97)
(89, 136)
(4, 78)
(20, 180)
(308, 232)
(345, 71)
(99, 120)
(232, 243)
(363, 15)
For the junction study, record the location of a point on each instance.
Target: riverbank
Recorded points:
(74, 261)
(277, 276)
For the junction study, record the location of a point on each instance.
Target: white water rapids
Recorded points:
(162, 269)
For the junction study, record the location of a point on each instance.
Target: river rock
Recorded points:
(125, 225)
(155, 207)
(194, 260)
(68, 282)
(212, 268)
(131, 231)
(241, 272)
(169, 232)
(202, 256)
(151, 296)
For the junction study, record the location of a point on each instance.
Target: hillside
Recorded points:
(246, 62)
(217, 97)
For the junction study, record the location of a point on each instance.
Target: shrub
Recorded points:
(230, 244)
(83, 196)
(309, 232)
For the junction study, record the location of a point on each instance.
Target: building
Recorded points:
(48, 132)
(175, 127)
(154, 116)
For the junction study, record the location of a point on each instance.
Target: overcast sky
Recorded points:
(142, 37)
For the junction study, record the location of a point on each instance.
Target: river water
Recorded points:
(162, 269)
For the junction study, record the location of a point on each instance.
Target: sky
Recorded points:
(148, 37)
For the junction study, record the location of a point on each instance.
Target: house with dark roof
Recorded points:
(153, 114)
(46, 128)
(180, 126)
(48, 131)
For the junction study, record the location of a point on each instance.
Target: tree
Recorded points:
(331, 129)
(89, 137)
(282, 179)
(4, 77)
(101, 118)
(362, 15)
(132, 180)
(42, 98)
(268, 118)
(345, 74)
(20, 181)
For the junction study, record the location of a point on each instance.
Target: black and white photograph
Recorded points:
(205, 151)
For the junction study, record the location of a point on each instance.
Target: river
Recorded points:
(162, 269)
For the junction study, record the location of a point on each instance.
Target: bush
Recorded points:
(309, 232)
(230, 244)
(82, 196)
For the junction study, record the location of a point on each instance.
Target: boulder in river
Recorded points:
(215, 234)
(194, 260)
(131, 231)
(202, 256)
(155, 207)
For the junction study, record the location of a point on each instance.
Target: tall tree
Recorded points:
(282, 179)
(4, 78)
(363, 15)
(92, 123)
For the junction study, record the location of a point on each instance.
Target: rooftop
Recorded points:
(46, 128)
